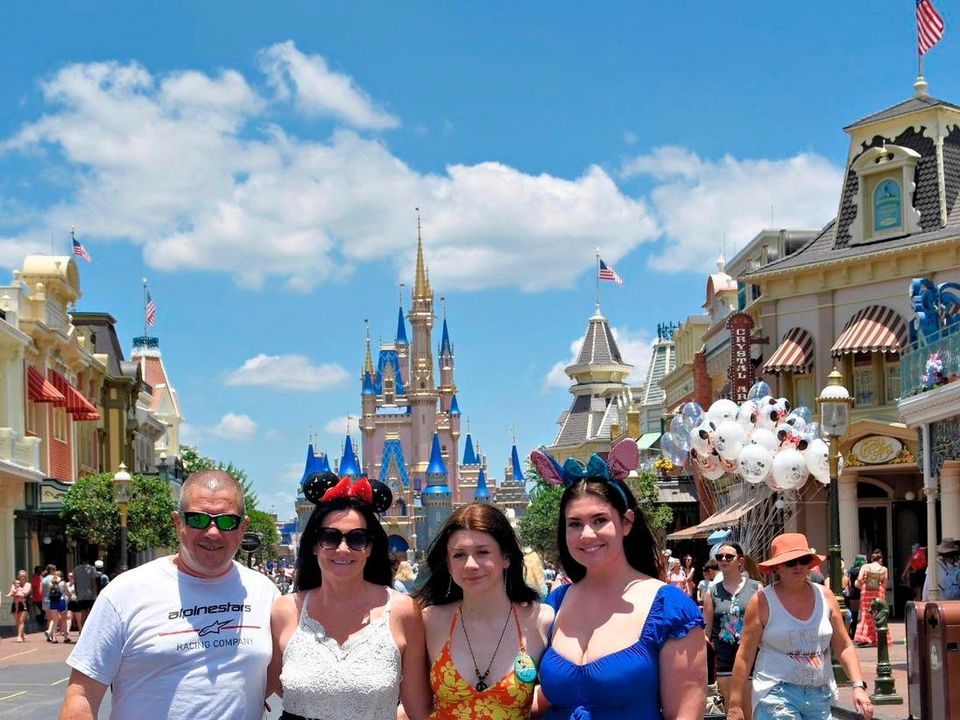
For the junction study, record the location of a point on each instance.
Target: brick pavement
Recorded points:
(35, 650)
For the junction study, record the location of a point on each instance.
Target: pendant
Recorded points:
(481, 686)
(524, 668)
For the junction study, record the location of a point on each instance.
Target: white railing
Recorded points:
(19, 450)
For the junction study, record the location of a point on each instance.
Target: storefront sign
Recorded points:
(740, 372)
(877, 450)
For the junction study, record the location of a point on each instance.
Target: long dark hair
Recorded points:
(377, 568)
(639, 544)
(439, 589)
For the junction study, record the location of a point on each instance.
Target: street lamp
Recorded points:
(835, 403)
(121, 495)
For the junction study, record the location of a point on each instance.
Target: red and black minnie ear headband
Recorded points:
(325, 486)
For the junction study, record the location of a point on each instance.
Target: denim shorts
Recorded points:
(787, 701)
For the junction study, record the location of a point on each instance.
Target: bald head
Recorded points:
(216, 481)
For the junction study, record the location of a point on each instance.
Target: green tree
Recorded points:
(92, 515)
(644, 489)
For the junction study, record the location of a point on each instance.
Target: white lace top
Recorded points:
(359, 680)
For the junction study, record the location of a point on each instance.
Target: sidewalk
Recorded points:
(843, 709)
(34, 650)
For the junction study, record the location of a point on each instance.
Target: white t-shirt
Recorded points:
(178, 646)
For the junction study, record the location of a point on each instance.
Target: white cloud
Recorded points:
(318, 90)
(700, 202)
(339, 426)
(232, 426)
(287, 372)
(635, 349)
(189, 166)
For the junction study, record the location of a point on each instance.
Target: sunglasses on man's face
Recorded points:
(201, 520)
(803, 560)
(726, 557)
(357, 539)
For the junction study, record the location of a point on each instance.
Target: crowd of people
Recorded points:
(482, 629)
(57, 604)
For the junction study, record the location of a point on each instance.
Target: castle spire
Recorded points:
(421, 286)
(445, 347)
(368, 362)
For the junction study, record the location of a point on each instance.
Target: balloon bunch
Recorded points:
(762, 441)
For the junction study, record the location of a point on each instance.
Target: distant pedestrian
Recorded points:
(710, 571)
(948, 571)
(102, 578)
(57, 606)
(915, 570)
(816, 576)
(20, 597)
(36, 594)
(689, 570)
(853, 592)
(793, 624)
(872, 582)
(87, 587)
(45, 590)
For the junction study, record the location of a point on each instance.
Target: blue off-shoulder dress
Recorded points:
(624, 685)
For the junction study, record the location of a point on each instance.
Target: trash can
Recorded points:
(918, 656)
(943, 635)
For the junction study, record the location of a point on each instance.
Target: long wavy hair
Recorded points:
(377, 568)
(438, 587)
(639, 545)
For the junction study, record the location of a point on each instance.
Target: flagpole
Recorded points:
(596, 275)
(144, 307)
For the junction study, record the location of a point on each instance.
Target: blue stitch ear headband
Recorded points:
(624, 457)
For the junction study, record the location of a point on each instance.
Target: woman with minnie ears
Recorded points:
(345, 645)
(486, 629)
(624, 645)
(794, 623)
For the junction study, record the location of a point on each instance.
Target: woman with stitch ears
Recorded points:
(345, 645)
(486, 629)
(624, 645)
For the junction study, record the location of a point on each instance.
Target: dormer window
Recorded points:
(886, 183)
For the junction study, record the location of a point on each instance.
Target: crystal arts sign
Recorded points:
(740, 372)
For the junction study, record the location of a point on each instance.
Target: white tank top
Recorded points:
(792, 650)
(359, 680)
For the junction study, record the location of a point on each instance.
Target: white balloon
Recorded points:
(817, 456)
(767, 417)
(701, 437)
(755, 464)
(723, 410)
(766, 438)
(714, 473)
(748, 414)
(728, 439)
(789, 469)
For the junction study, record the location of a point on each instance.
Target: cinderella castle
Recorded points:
(410, 425)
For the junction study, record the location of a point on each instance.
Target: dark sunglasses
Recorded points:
(357, 539)
(201, 520)
(726, 556)
(802, 560)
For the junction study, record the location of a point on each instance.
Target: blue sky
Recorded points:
(260, 164)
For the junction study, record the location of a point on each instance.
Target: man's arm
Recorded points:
(83, 698)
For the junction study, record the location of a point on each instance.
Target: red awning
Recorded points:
(39, 389)
(795, 353)
(77, 405)
(873, 329)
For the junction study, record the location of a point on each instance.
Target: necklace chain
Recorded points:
(481, 677)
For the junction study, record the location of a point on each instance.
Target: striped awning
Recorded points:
(873, 329)
(76, 404)
(795, 353)
(730, 516)
(39, 389)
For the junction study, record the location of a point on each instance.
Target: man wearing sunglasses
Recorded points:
(185, 636)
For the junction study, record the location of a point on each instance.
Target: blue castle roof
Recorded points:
(310, 466)
(445, 340)
(436, 466)
(323, 463)
(482, 492)
(349, 465)
(391, 359)
(517, 468)
(367, 385)
(401, 329)
(436, 490)
(454, 407)
(469, 455)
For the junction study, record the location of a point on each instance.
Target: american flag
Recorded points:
(929, 26)
(80, 251)
(151, 310)
(608, 273)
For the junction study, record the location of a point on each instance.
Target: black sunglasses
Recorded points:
(201, 520)
(726, 556)
(802, 560)
(357, 539)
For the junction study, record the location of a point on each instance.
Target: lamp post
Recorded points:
(121, 495)
(835, 403)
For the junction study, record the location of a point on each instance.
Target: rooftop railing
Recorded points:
(930, 361)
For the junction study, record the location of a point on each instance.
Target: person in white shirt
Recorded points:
(185, 636)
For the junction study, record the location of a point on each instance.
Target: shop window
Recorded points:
(30, 421)
(60, 424)
(887, 206)
(803, 391)
(892, 381)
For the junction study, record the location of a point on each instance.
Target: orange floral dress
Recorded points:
(456, 699)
